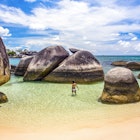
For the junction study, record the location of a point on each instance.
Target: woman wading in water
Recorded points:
(74, 86)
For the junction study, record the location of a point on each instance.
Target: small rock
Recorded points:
(119, 63)
(3, 98)
(74, 50)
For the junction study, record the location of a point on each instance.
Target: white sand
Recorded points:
(125, 130)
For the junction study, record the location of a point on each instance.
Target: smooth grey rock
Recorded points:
(120, 87)
(133, 65)
(119, 63)
(23, 65)
(3, 98)
(4, 64)
(74, 50)
(81, 67)
(44, 62)
(128, 64)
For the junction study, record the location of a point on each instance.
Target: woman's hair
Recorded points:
(72, 81)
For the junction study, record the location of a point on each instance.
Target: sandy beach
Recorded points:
(47, 111)
(49, 115)
(123, 130)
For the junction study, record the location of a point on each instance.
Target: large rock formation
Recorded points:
(44, 62)
(23, 65)
(133, 65)
(4, 64)
(120, 87)
(81, 67)
(128, 64)
(3, 98)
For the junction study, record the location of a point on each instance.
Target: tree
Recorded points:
(11, 53)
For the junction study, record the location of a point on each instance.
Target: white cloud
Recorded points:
(124, 44)
(38, 44)
(80, 24)
(4, 32)
(137, 47)
(30, 0)
(134, 38)
(70, 16)
(13, 15)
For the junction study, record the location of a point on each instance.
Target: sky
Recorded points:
(103, 27)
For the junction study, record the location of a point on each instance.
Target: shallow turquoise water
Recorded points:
(14, 61)
(37, 105)
(48, 105)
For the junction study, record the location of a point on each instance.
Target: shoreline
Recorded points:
(50, 115)
(123, 130)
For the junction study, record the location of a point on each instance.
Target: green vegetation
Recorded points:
(20, 53)
(11, 52)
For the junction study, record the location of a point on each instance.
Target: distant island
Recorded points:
(20, 53)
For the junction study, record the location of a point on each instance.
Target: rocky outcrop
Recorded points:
(74, 50)
(119, 63)
(23, 65)
(3, 98)
(44, 62)
(81, 67)
(4, 64)
(120, 87)
(133, 65)
(128, 64)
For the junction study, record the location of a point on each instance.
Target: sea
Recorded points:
(39, 105)
(104, 60)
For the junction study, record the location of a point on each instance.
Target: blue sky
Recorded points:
(105, 27)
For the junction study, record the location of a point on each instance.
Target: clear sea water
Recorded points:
(14, 61)
(104, 60)
(42, 105)
(107, 60)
